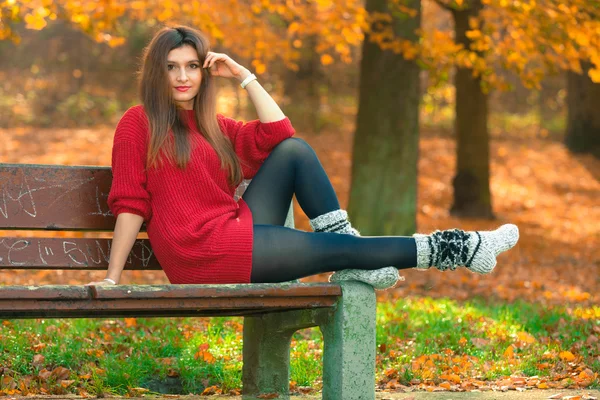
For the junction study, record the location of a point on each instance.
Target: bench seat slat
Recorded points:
(150, 305)
(162, 300)
(244, 291)
(71, 313)
(54, 292)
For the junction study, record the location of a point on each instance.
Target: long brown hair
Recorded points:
(164, 115)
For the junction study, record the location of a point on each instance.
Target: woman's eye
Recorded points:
(169, 67)
(194, 66)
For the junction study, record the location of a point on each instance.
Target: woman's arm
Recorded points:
(222, 65)
(126, 230)
(266, 108)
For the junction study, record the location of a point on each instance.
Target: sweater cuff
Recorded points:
(131, 211)
(278, 127)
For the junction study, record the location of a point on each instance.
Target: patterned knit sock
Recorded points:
(475, 250)
(337, 222)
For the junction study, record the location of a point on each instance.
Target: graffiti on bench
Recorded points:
(72, 252)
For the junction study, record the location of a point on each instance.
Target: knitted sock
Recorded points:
(337, 222)
(475, 250)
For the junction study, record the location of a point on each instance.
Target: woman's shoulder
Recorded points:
(133, 123)
(135, 113)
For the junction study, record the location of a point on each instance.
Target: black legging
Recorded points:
(282, 254)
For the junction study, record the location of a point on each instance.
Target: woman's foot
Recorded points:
(337, 221)
(475, 250)
(380, 279)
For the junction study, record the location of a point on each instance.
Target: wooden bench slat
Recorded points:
(133, 292)
(136, 313)
(70, 254)
(148, 305)
(54, 197)
(54, 292)
(162, 300)
(245, 291)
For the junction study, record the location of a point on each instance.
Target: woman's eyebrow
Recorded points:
(189, 62)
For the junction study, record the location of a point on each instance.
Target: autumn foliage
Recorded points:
(531, 38)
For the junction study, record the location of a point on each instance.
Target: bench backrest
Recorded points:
(63, 198)
(60, 198)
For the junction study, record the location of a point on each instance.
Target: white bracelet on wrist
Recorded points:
(110, 280)
(248, 79)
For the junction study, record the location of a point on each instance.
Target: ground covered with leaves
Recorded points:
(533, 323)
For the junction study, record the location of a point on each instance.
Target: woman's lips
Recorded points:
(183, 88)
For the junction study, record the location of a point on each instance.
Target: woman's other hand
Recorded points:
(100, 283)
(220, 64)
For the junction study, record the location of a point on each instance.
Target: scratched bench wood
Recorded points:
(60, 198)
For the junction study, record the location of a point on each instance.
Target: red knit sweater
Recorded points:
(198, 232)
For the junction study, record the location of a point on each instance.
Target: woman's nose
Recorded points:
(182, 75)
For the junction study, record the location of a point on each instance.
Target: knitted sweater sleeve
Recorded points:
(254, 140)
(128, 190)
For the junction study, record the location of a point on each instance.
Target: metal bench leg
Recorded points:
(350, 345)
(266, 352)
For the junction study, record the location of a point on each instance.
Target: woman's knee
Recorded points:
(294, 147)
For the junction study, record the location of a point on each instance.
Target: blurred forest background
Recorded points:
(426, 114)
(450, 112)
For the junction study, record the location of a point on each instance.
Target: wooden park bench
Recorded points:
(60, 198)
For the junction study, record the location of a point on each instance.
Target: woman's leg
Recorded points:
(282, 254)
(294, 168)
(291, 168)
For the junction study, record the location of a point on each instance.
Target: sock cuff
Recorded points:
(424, 251)
(329, 221)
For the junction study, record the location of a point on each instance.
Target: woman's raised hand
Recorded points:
(220, 64)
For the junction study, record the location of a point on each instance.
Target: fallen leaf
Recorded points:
(509, 352)
(38, 360)
(8, 382)
(566, 355)
(66, 383)
(44, 374)
(205, 356)
(211, 390)
(60, 373)
(526, 337)
(138, 390)
(268, 396)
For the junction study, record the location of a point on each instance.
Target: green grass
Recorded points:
(417, 338)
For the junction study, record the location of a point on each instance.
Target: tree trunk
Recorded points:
(583, 117)
(302, 87)
(384, 171)
(472, 196)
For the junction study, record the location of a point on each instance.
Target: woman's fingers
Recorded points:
(207, 60)
(211, 58)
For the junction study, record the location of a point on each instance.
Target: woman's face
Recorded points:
(185, 75)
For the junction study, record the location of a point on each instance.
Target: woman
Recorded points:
(176, 164)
